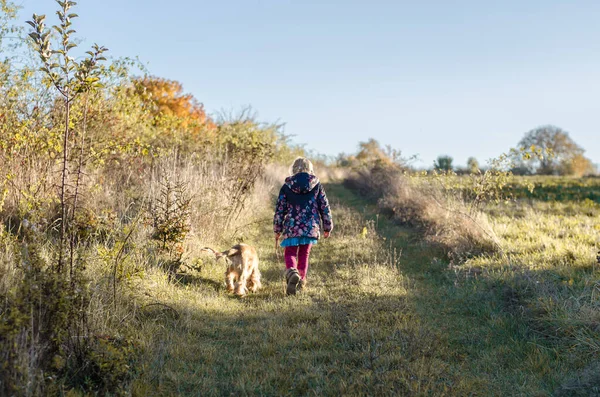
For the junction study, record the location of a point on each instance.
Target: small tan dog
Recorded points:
(242, 272)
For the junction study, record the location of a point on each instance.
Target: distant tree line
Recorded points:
(560, 155)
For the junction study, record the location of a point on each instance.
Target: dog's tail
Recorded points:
(230, 252)
(212, 251)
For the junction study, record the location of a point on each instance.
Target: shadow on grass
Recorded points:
(446, 336)
(191, 279)
(366, 346)
(273, 274)
(498, 321)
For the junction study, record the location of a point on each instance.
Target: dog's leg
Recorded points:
(240, 287)
(254, 281)
(229, 279)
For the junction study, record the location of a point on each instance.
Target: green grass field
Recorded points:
(385, 314)
(548, 188)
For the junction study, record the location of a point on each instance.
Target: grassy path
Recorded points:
(487, 336)
(372, 322)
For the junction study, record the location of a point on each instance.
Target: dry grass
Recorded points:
(351, 332)
(442, 218)
(530, 306)
(383, 315)
(547, 283)
(117, 252)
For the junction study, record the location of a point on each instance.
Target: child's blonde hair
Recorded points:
(302, 164)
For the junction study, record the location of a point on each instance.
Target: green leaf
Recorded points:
(31, 23)
(72, 16)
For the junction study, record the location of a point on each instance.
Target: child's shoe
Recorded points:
(301, 284)
(292, 278)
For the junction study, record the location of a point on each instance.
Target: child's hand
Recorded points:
(277, 240)
(277, 245)
(326, 234)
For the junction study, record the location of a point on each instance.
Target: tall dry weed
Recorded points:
(442, 218)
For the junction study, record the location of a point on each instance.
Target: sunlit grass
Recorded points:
(384, 313)
(352, 332)
(547, 278)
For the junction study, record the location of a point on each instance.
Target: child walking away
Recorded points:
(301, 207)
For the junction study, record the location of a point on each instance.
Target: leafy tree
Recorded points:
(8, 13)
(562, 155)
(473, 165)
(443, 163)
(579, 165)
(70, 79)
(168, 103)
(372, 153)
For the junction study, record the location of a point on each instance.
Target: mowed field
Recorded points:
(387, 314)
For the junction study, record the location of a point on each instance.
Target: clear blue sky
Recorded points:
(463, 78)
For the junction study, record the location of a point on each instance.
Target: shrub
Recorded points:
(419, 202)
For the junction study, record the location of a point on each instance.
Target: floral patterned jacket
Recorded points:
(301, 206)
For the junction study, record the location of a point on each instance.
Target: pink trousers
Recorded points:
(298, 257)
